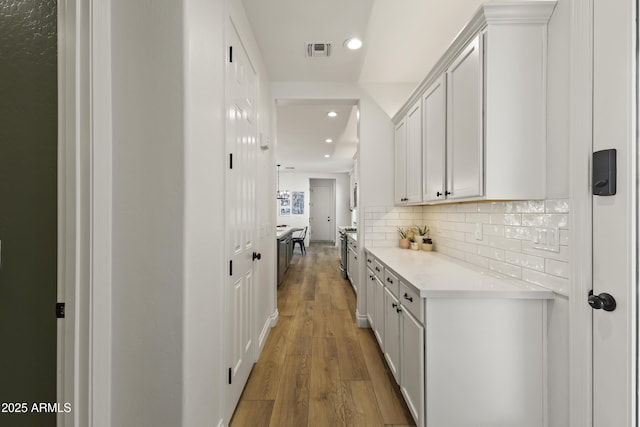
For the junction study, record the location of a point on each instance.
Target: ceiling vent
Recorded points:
(318, 50)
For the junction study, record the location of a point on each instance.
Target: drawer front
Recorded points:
(370, 259)
(411, 300)
(391, 281)
(352, 243)
(378, 270)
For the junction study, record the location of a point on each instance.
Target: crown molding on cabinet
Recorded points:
(533, 12)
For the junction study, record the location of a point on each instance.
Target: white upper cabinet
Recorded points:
(408, 157)
(464, 124)
(400, 163)
(434, 113)
(483, 113)
(414, 153)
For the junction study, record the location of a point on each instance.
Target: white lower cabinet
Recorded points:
(352, 268)
(392, 314)
(379, 311)
(412, 378)
(467, 360)
(371, 297)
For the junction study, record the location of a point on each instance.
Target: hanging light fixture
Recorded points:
(284, 194)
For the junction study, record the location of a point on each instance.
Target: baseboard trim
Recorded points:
(361, 320)
(271, 321)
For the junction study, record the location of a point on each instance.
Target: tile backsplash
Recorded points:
(527, 240)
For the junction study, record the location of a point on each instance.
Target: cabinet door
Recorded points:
(465, 154)
(400, 163)
(349, 263)
(371, 298)
(354, 268)
(414, 153)
(379, 312)
(434, 122)
(392, 333)
(412, 366)
(351, 187)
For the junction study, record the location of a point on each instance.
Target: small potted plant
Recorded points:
(427, 243)
(404, 238)
(413, 240)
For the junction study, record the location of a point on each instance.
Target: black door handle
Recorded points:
(603, 301)
(256, 256)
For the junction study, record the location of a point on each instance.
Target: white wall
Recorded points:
(148, 215)
(300, 181)
(168, 180)
(558, 79)
(203, 256)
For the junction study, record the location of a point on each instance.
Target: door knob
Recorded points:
(256, 256)
(603, 301)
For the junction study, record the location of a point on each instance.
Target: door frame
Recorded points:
(581, 343)
(580, 149)
(84, 211)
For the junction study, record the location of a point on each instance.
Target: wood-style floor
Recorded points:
(317, 367)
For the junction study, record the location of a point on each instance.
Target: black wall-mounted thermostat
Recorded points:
(604, 172)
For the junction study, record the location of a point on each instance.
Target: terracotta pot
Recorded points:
(404, 243)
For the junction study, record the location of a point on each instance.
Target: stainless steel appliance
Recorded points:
(344, 251)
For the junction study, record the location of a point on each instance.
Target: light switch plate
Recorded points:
(478, 231)
(546, 239)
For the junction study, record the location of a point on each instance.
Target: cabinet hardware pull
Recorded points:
(407, 297)
(438, 194)
(369, 261)
(372, 277)
(389, 280)
(398, 310)
(394, 305)
(446, 193)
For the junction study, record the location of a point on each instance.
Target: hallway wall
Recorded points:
(168, 175)
(148, 215)
(28, 207)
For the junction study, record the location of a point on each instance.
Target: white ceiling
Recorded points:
(403, 39)
(303, 127)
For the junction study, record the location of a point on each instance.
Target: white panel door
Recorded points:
(321, 221)
(240, 222)
(434, 127)
(465, 154)
(615, 217)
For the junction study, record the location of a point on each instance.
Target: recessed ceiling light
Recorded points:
(328, 140)
(327, 155)
(353, 43)
(332, 114)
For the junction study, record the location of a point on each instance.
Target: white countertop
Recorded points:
(439, 276)
(281, 231)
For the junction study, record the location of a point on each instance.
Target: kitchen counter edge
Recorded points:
(436, 275)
